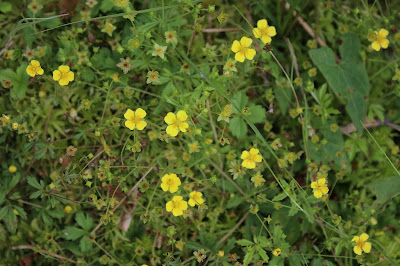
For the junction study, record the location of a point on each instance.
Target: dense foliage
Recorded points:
(189, 132)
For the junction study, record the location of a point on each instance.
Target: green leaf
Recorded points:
(284, 97)
(233, 202)
(240, 100)
(263, 254)
(5, 7)
(73, 233)
(238, 127)
(248, 257)
(257, 113)
(280, 197)
(244, 242)
(349, 79)
(86, 222)
(33, 182)
(386, 188)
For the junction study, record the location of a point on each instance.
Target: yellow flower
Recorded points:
(277, 252)
(176, 122)
(242, 49)
(258, 180)
(15, 125)
(251, 158)
(264, 32)
(195, 198)
(135, 119)
(34, 68)
(63, 75)
(194, 147)
(67, 209)
(177, 205)
(108, 28)
(320, 188)
(361, 244)
(170, 182)
(15, 212)
(380, 40)
(12, 169)
(221, 253)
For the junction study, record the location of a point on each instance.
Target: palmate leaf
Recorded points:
(349, 79)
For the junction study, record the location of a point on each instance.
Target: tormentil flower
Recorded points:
(134, 119)
(277, 252)
(361, 244)
(12, 169)
(34, 68)
(320, 188)
(195, 198)
(379, 40)
(170, 182)
(251, 158)
(176, 122)
(108, 28)
(159, 50)
(63, 75)
(153, 77)
(125, 64)
(170, 37)
(242, 49)
(258, 180)
(68, 209)
(177, 205)
(264, 31)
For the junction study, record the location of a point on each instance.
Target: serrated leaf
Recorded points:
(240, 100)
(244, 242)
(238, 127)
(257, 113)
(73, 233)
(33, 182)
(85, 221)
(280, 197)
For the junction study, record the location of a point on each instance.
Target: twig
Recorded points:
(234, 228)
(127, 195)
(44, 252)
(350, 128)
(227, 177)
(220, 30)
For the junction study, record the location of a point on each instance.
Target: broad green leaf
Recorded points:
(5, 7)
(386, 188)
(248, 257)
(349, 79)
(257, 113)
(85, 221)
(240, 100)
(244, 242)
(73, 233)
(284, 97)
(238, 127)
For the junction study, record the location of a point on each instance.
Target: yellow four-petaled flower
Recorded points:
(361, 244)
(264, 31)
(34, 68)
(63, 75)
(170, 182)
(177, 205)
(250, 158)
(176, 122)
(195, 198)
(380, 40)
(320, 188)
(242, 50)
(134, 119)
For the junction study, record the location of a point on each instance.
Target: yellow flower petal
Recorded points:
(266, 39)
(245, 155)
(130, 124)
(321, 181)
(376, 46)
(364, 237)
(317, 193)
(63, 68)
(254, 151)
(40, 71)
(183, 205)
(56, 75)
(173, 188)
(250, 53)
(192, 202)
(165, 178)
(70, 76)
(183, 127)
(170, 118)
(35, 63)
(366, 247)
(262, 24)
(325, 190)
(164, 187)
(384, 43)
(169, 206)
(236, 46)
(129, 114)
(141, 125)
(356, 239)
(30, 71)
(257, 32)
(172, 130)
(245, 42)
(177, 212)
(271, 31)
(63, 81)
(314, 185)
(239, 57)
(258, 158)
(181, 115)
(383, 33)
(140, 113)
(357, 250)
